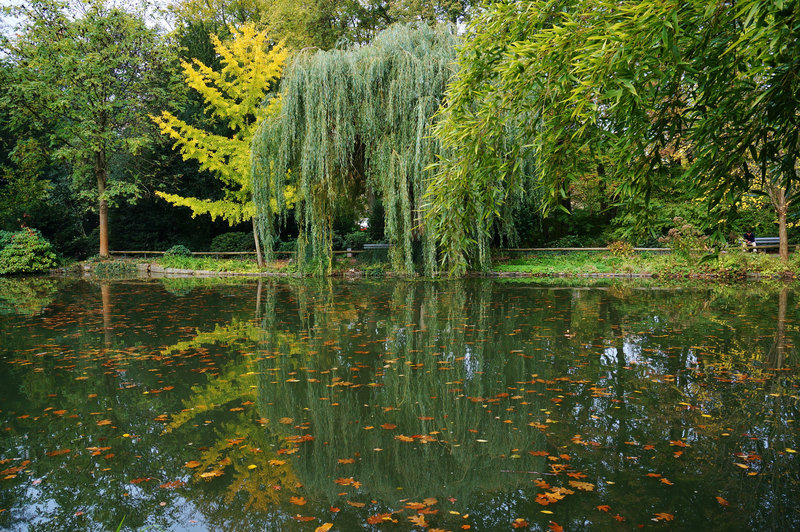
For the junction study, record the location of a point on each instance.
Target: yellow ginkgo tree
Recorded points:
(236, 96)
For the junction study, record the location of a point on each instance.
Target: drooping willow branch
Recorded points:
(355, 123)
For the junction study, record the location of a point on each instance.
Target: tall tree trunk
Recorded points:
(101, 173)
(784, 239)
(780, 202)
(259, 257)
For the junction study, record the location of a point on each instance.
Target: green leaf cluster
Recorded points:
(25, 251)
(354, 125)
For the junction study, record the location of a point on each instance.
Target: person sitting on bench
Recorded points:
(750, 239)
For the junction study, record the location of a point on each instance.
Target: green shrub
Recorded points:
(26, 251)
(620, 249)
(5, 237)
(114, 268)
(356, 239)
(685, 239)
(235, 241)
(289, 245)
(178, 251)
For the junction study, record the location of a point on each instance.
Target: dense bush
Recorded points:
(25, 251)
(235, 241)
(178, 251)
(356, 239)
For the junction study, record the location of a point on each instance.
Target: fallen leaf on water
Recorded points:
(722, 501)
(59, 452)
(584, 486)
(430, 501)
(663, 516)
(299, 501)
(388, 426)
(172, 484)
(324, 527)
(357, 504)
(212, 474)
(104, 422)
(519, 523)
(346, 460)
(286, 421)
(192, 464)
(619, 518)
(418, 520)
(604, 508)
(555, 527)
(140, 480)
(274, 462)
(303, 518)
(665, 481)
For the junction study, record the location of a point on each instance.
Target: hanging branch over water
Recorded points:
(354, 124)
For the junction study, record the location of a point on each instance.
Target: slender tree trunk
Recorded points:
(784, 239)
(101, 173)
(778, 197)
(259, 257)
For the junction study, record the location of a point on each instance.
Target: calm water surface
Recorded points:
(397, 405)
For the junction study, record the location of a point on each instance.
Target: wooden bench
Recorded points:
(766, 242)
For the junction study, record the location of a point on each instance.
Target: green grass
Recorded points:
(731, 264)
(220, 265)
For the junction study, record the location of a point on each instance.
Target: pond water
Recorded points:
(179, 404)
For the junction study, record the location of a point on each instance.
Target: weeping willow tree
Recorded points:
(354, 125)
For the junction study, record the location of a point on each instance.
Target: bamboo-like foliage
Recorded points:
(355, 122)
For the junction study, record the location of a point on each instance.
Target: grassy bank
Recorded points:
(729, 265)
(733, 264)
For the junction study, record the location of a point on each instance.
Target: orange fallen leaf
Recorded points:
(555, 527)
(324, 527)
(277, 462)
(519, 523)
(665, 481)
(303, 518)
(212, 474)
(299, 501)
(722, 501)
(192, 464)
(430, 501)
(619, 518)
(604, 508)
(418, 520)
(583, 486)
(286, 421)
(388, 426)
(357, 504)
(346, 460)
(104, 422)
(59, 452)
(173, 484)
(663, 516)
(59, 412)
(140, 480)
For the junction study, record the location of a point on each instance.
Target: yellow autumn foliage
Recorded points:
(235, 95)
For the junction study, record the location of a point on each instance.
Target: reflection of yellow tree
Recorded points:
(241, 445)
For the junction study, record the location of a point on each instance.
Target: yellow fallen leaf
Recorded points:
(252, 466)
(792, 451)
(211, 474)
(191, 464)
(324, 528)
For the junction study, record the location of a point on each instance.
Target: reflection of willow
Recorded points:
(411, 358)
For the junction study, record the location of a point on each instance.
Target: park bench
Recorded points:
(767, 241)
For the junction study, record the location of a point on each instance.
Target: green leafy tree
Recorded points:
(639, 83)
(234, 95)
(353, 124)
(88, 72)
